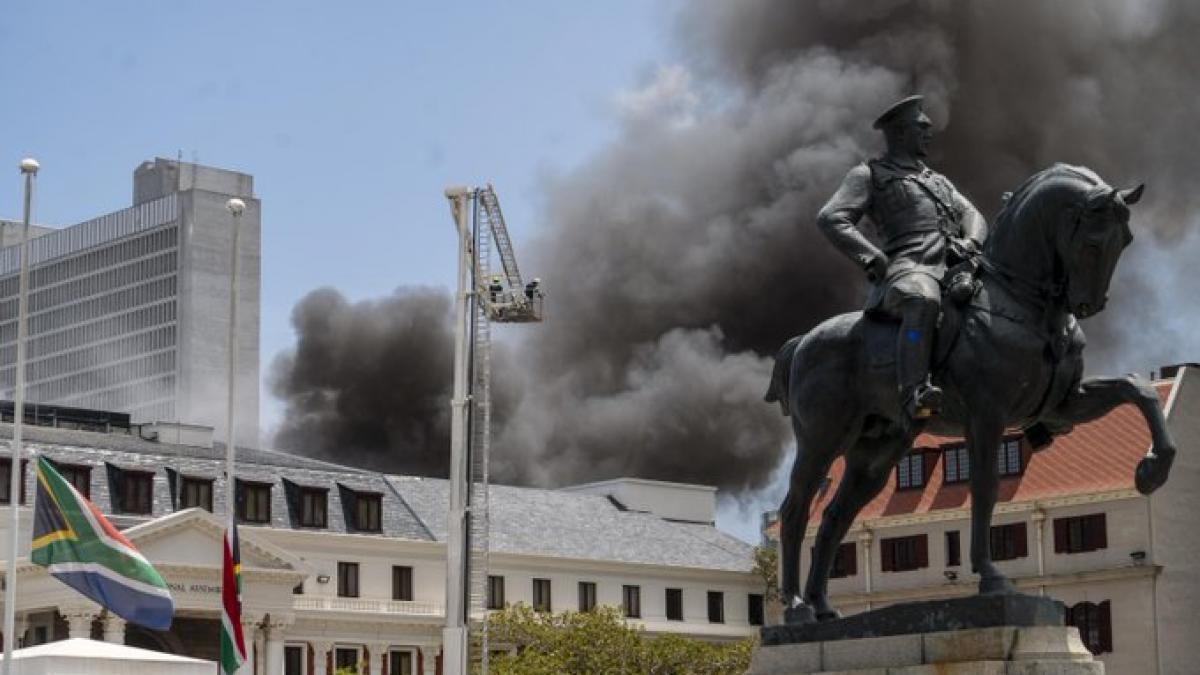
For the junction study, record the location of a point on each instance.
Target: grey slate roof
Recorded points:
(577, 525)
(527, 521)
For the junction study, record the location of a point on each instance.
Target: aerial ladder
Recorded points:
(482, 298)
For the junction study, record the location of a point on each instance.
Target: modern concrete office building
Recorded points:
(343, 567)
(129, 311)
(1069, 524)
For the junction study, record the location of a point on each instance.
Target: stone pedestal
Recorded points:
(1005, 635)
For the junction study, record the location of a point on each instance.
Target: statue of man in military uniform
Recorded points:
(925, 226)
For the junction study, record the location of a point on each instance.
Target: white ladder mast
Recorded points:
(481, 299)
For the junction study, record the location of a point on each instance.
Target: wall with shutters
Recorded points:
(1126, 529)
(1131, 616)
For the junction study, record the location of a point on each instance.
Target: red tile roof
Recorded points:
(1094, 457)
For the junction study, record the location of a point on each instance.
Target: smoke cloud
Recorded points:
(678, 259)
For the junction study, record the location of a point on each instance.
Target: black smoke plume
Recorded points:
(678, 259)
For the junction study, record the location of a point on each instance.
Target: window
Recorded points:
(1094, 622)
(298, 589)
(1008, 541)
(6, 480)
(716, 607)
(957, 465)
(910, 472)
(196, 493)
(675, 604)
(400, 663)
(901, 554)
(254, 502)
(755, 609)
(366, 512)
(1080, 534)
(541, 595)
(1008, 460)
(345, 660)
(845, 561)
(587, 596)
(347, 580)
(137, 488)
(313, 502)
(293, 660)
(495, 592)
(953, 549)
(402, 583)
(80, 477)
(631, 600)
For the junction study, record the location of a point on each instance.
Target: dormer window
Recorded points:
(196, 493)
(136, 492)
(363, 510)
(313, 509)
(910, 471)
(957, 463)
(253, 502)
(78, 475)
(6, 478)
(1008, 460)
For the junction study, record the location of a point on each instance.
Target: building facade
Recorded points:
(347, 567)
(1069, 525)
(129, 311)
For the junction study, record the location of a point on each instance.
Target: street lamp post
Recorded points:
(29, 167)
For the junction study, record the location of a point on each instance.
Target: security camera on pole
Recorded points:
(29, 168)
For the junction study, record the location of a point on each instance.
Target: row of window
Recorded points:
(110, 303)
(348, 660)
(104, 377)
(97, 331)
(128, 396)
(105, 281)
(93, 356)
(95, 259)
(132, 492)
(631, 600)
(913, 470)
(1075, 534)
(347, 581)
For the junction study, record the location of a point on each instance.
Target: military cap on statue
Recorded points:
(906, 106)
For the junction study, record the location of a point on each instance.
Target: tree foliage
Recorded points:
(600, 641)
(766, 566)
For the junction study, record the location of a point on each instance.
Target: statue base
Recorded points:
(994, 635)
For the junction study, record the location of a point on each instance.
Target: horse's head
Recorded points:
(1090, 247)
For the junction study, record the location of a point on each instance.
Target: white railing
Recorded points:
(371, 605)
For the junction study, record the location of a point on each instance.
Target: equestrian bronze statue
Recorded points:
(1001, 351)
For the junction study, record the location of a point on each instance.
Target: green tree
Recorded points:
(600, 641)
(766, 566)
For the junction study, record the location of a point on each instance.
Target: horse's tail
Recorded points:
(777, 391)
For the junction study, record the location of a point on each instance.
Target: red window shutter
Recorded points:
(930, 461)
(1104, 619)
(312, 661)
(1022, 535)
(851, 550)
(367, 660)
(923, 551)
(1060, 535)
(1100, 529)
(887, 557)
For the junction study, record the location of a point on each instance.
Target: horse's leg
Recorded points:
(815, 450)
(868, 468)
(985, 429)
(1096, 396)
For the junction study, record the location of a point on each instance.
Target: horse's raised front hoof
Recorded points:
(997, 585)
(799, 614)
(1153, 469)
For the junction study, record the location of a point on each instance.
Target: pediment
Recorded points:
(194, 538)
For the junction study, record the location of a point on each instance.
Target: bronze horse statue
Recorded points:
(1010, 357)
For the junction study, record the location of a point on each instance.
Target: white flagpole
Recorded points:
(236, 207)
(29, 167)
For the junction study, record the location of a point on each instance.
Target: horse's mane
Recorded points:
(1033, 185)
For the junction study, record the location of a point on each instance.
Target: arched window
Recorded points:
(1094, 622)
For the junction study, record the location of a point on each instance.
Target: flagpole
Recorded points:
(29, 167)
(236, 207)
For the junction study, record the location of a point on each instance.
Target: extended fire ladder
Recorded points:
(487, 298)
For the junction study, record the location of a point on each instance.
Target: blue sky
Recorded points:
(352, 122)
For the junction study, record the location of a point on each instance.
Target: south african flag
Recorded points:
(233, 644)
(79, 547)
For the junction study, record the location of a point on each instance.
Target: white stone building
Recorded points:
(129, 311)
(1069, 524)
(345, 566)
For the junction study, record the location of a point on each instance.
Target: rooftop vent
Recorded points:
(177, 433)
(673, 501)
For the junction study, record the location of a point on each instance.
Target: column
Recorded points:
(20, 626)
(378, 652)
(79, 620)
(276, 628)
(250, 636)
(1039, 521)
(114, 628)
(865, 537)
(428, 660)
(321, 657)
